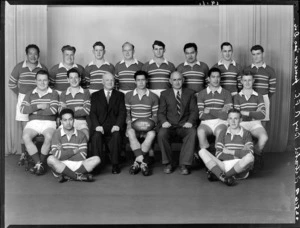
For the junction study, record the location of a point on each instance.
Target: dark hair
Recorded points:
(127, 43)
(66, 111)
(72, 70)
(140, 72)
(68, 48)
(99, 43)
(32, 46)
(158, 43)
(44, 72)
(190, 45)
(226, 44)
(257, 48)
(247, 75)
(234, 110)
(213, 69)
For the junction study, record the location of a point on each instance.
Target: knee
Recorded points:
(151, 134)
(96, 160)
(202, 152)
(263, 138)
(47, 137)
(51, 160)
(201, 131)
(26, 137)
(249, 158)
(131, 133)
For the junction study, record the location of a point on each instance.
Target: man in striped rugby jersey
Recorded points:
(193, 71)
(22, 80)
(264, 76)
(77, 99)
(69, 150)
(234, 156)
(141, 103)
(41, 105)
(252, 107)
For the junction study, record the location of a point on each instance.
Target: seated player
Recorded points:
(69, 150)
(234, 155)
(41, 104)
(141, 103)
(77, 99)
(213, 104)
(252, 107)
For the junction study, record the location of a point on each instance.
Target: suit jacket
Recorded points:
(168, 108)
(107, 115)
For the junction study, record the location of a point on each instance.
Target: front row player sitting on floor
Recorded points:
(234, 155)
(140, 103)
(69, 150)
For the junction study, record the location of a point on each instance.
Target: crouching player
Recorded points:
(69, 150)
(140, 103)
(234, 152)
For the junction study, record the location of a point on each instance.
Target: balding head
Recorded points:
(176, 80)
(108, 81)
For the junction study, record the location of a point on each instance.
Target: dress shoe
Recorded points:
(115, 169)
(211, 176)
(184, 170)
(168, 169)
(84, 177)
(145, 169)
(135, 168)
(229, 181)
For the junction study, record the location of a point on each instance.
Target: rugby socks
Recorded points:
(81, 169)
(138, 152)
(234, 170)
(146, 157)
(36, 157)
(214, 168)
(68, 172)
(43, 158)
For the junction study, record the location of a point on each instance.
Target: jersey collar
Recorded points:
(187, 64)
(221, 62)
(62, 65)
(79, 91)
(219, 90)
(253, 65)
(165, 61)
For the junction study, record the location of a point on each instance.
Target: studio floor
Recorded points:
(267, 197)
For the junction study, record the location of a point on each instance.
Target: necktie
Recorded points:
(108, 97)
(178, 101)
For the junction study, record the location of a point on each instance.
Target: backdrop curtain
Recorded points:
(23, 25)
(272, 27)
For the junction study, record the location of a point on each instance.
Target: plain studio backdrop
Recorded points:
(51, 27)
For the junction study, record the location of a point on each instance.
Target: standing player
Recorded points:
(141, 103)
(95, 69)
(234, 155)
(69, 150)
(193, 71)
(41, 104)
(77, 99)
(22, 80)
(125, 69)
(158, 69)
(230, 70)
(252, 107)
(213, 104)
(58, 73)
(264, 77)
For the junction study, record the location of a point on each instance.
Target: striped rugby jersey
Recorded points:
(59, 79)
(63, 147)
(158, 76)
(32, 99)
(124, 74)
(81, 99)
(215, 102)
(265, 79)
(255, 105)
(94, 73)
(146, 107)
(194, 76)
(235, 142)
(22, 78)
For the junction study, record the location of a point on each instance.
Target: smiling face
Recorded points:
(176, 80)
(108, 81)
(32, 55)
(74, 79)
(68, 57)
(99, 52)
(158, 51)
(234, 120)
(214, 79)
(227, 53)
(42, 82)
(247, 81)
(67, 121)
(190, 55)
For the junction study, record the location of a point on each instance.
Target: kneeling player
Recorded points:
(140, 103)
(234, 155)
(68, 152)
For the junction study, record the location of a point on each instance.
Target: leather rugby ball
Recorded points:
(143, 124)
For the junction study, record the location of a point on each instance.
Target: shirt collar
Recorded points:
(264, 65)
(187, 64)
(218, 90)
(134, 62)
(221, 62)
(62, 132)
(253, 93)
(241, 132)
(25, 64)
(105, 91)
(165, 61)
(92, 63)
(49, 90)
(79, 91)
(62, 65)
(147, 92)
(175, 92)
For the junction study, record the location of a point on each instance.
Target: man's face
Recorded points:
(68, 57)
(257, 56)
(234, 120)
(214, 79)
(67, 121)
(158, 51)
(42, 82)
(190, 55)
(247, 81)
(140, 82)
(32, 55)
(99, 52)
(176, 80)
(227, 53)
(128, 52)
(108, 81)
(74, 79)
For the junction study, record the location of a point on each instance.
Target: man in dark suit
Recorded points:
(177, 115)
(108, 114)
